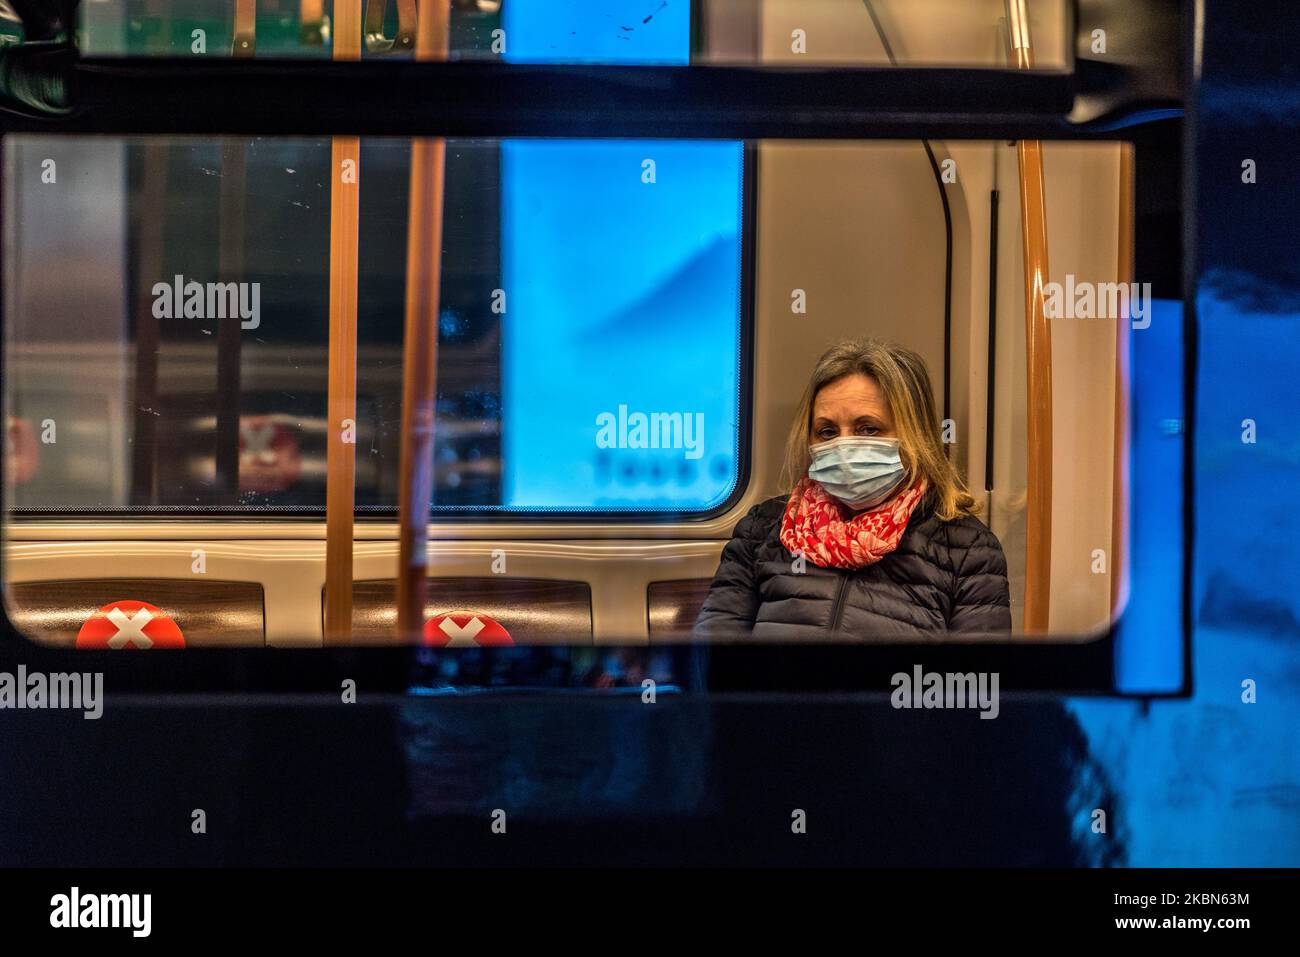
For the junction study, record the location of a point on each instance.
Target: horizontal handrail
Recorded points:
(479, 98)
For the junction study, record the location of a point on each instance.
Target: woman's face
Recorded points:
(852, 405)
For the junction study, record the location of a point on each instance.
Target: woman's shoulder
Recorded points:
(968, 526)
(761, 519)
(967, 540)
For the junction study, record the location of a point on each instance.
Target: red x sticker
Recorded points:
(130, 624)
(464, 629)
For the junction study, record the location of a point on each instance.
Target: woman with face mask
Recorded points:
(877, 536)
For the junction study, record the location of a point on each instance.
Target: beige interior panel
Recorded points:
(292, 573)
(840, 31)
(1083, 240)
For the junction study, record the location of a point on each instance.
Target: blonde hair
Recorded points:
(905, 381)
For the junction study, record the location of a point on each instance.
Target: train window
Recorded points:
(842, 33)
(566, 386)
(592, 343)
(588, 342)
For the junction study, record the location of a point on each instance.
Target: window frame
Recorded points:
(464, 99)
(381, 515)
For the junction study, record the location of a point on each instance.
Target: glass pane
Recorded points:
(572, 275)
(595, 358)
(964, 33)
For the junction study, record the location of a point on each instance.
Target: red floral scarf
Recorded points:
(827, 533)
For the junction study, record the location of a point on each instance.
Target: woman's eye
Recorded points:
(867, 430)
(826, 434)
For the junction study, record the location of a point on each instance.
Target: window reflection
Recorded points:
(183, 361)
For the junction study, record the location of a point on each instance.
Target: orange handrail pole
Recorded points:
(1038, 355)
(340, 456)
(420, 358)
(1119, 489)
(311, 22)
(245, 28)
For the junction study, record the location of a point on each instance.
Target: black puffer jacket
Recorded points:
(943, 577)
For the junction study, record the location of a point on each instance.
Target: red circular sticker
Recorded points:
(269, 457)
(464, 629)
(130, 624)
(22, 454)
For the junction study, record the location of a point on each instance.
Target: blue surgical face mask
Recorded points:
(860, 471)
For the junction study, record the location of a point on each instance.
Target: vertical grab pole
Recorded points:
(1119, 489)
(340, 458)
(420, 357)
(1038, 355)
(245, 28)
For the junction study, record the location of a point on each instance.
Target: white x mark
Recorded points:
(130, 629)
(257, 441)
(461, 637)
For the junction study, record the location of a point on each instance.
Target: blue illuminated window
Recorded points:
(621, 343)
